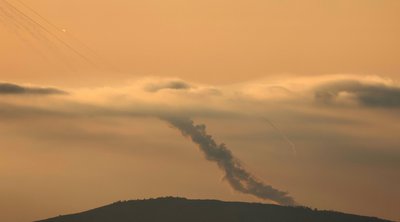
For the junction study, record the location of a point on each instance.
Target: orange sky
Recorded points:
(239, 61)
(217, 41)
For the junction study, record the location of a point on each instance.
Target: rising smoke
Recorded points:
(237, 176)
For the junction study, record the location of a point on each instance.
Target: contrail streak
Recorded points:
(56, 39)
(15, 28)
(72, 37)
(50, 33)
(18, 23)
(237, 176)
(283, 135)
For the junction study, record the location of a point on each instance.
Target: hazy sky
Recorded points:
(306, 95)
(217, 41)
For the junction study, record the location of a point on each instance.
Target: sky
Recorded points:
(103, 101)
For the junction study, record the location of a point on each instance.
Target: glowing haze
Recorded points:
(297, 102)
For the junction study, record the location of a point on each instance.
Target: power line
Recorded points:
(61, 30)
(56, 37)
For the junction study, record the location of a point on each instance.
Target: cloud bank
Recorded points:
(160, 96)
(371, 94)
(178, 102)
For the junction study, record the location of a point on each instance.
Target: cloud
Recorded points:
(370, 94)
(173, 84)
(294, 100)
(14, 89)
(158, 96)
(331, 120)
(258, 99)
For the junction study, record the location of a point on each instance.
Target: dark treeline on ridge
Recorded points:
(172, 209)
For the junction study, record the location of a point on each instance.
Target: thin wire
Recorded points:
(67, 33)
(23, 23)
(50, 33)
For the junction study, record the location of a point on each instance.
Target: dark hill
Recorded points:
(184, 210)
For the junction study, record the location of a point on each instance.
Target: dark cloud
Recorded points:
(13, 89)
(367, 94)
(172, 84)
(237, 176)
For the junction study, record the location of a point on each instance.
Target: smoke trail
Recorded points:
(239, 178)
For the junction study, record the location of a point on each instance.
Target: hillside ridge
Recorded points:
(178, 209)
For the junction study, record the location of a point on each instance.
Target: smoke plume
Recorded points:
(237, 176)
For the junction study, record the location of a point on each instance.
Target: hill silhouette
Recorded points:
(171, 209)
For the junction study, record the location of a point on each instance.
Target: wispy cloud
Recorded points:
(11, 88)
(173, 84)
(371, 94)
